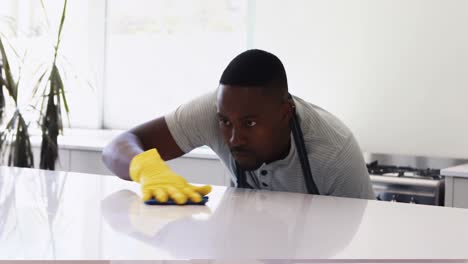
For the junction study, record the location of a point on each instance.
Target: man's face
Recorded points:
(254, 124)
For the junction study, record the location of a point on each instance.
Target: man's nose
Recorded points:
(237, 137)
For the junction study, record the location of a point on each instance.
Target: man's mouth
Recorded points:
(240, 154)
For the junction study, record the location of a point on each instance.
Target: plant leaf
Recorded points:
(23, 156)
(45, 13)
(55, 87)
(11, 126)
(2, 97)
(62, 21)
(50, 130)
(38, 83)
(3, 135)
(10, 22)
(54, 94)
(9, 81)
(12, 47)
(61, 88)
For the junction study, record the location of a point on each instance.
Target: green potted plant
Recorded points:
(15, 145)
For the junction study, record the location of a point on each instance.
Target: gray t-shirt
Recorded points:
(337, 165)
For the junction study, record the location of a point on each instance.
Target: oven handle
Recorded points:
(405, 181)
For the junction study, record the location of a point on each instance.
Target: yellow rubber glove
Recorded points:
(159, 181)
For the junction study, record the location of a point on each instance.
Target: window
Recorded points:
(29, 29)
(127, 62)
(163, 53)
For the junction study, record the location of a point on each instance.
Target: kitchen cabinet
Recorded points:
(456, 186)
(88, 162)
(62, 164)
(201, 166)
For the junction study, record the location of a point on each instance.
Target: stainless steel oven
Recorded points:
(408, 179)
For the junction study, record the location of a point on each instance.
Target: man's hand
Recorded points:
(159, 181)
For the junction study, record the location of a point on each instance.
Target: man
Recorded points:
(251, 122)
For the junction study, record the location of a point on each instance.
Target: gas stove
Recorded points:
(375, 168)
(408, 179)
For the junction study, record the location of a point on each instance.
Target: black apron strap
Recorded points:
(302, 152)
(241, 178)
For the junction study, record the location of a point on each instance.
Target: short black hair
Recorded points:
(257, 68)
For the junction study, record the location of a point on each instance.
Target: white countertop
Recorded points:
(64, 215)
(457, 171)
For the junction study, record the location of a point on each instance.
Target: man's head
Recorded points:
(254, 110)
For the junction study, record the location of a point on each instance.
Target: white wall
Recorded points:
(395, 71)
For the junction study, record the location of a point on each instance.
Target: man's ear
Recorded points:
(287, 110)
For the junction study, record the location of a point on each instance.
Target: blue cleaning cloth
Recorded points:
(171, 202)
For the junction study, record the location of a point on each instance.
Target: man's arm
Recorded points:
(153, 134)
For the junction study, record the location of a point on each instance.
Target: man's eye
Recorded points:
(251, 123)
(224, 122)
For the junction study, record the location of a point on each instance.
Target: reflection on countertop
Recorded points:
(252, 224)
